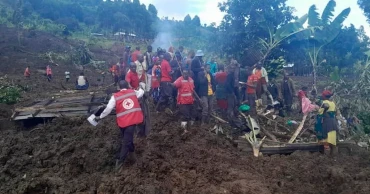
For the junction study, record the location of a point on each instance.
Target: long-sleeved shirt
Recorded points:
(112, 103)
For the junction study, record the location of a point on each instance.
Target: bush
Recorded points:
(10, 94)
(365, 119)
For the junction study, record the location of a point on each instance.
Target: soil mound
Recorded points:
(70, 156)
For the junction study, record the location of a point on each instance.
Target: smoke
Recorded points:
(164, 36)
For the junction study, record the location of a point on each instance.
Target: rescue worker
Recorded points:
(185, 99)
(165, 83)
(197, 66)
(135, 54)
(326, 123)
(141, 68)
(148, 58)
(115, 73)
(229, 88)
(206, 90)
(27, 73)
(49, 73)
(287, 92)
(221, 94)
(68, 75)
(132, 77)
(251, 92)
(129, 115)
(122, 68)
(261, 73)
(156, 77)
(273, 89)
(81, 82)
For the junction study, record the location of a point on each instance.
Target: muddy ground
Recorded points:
(67, 155)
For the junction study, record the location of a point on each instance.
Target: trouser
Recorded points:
(127, 142)
(84, 87)
(230, 105)
(237, 95)
(207, 105)
(49, 78)
(148, 84)
(67, 79)
(165, 95)
(156, 95)
(252, 103)
(288, 102)
(144, 128)
(186, 112)
(122, 77)
(116, 79)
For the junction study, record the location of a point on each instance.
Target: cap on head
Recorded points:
(199, 53)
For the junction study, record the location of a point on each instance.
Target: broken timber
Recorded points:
(67, 106)
(280, 148)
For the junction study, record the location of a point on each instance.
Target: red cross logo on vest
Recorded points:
(128, 104)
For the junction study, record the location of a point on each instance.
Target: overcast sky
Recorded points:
(208, 10)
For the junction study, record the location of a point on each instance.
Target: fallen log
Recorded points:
(299, 129)
(268, 134)
(59, 107)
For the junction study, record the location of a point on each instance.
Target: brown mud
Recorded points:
(67, 155)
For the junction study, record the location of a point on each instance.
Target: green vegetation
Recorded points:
(10, 94)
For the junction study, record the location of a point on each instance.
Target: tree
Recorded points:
(196, 21)
(323, 31)
(242, 27)
(365, 6)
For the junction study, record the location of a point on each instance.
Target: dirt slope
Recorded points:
(70, 156)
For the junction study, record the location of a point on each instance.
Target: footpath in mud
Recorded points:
(70, 156)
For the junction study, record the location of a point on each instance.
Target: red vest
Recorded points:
(128, 109)
(185, 91)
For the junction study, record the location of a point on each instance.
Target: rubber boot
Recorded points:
(184, 124)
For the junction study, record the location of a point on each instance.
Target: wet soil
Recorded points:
(67, 155)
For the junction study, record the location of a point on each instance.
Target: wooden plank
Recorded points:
(287, 149)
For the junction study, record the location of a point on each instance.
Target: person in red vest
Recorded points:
(156, 77)
(129, 115)
(185, 99)
(166, 87)
(27, 73)
(132, 78)
(49, 73)
(115, 73)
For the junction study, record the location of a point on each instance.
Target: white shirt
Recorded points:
(81, 81)
(263, 72)
(112, 103)
(67, 74)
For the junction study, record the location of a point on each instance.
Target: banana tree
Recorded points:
(281, 34)
(323, 30)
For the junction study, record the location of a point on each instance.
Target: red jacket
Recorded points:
(185, 90)
(128, 110)
(165, 70)
(134, 55)
(133, 79)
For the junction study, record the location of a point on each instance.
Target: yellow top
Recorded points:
(331, 104)
(210, 91)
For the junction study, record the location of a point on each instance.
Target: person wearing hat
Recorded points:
(326, 123)
(197, 66)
